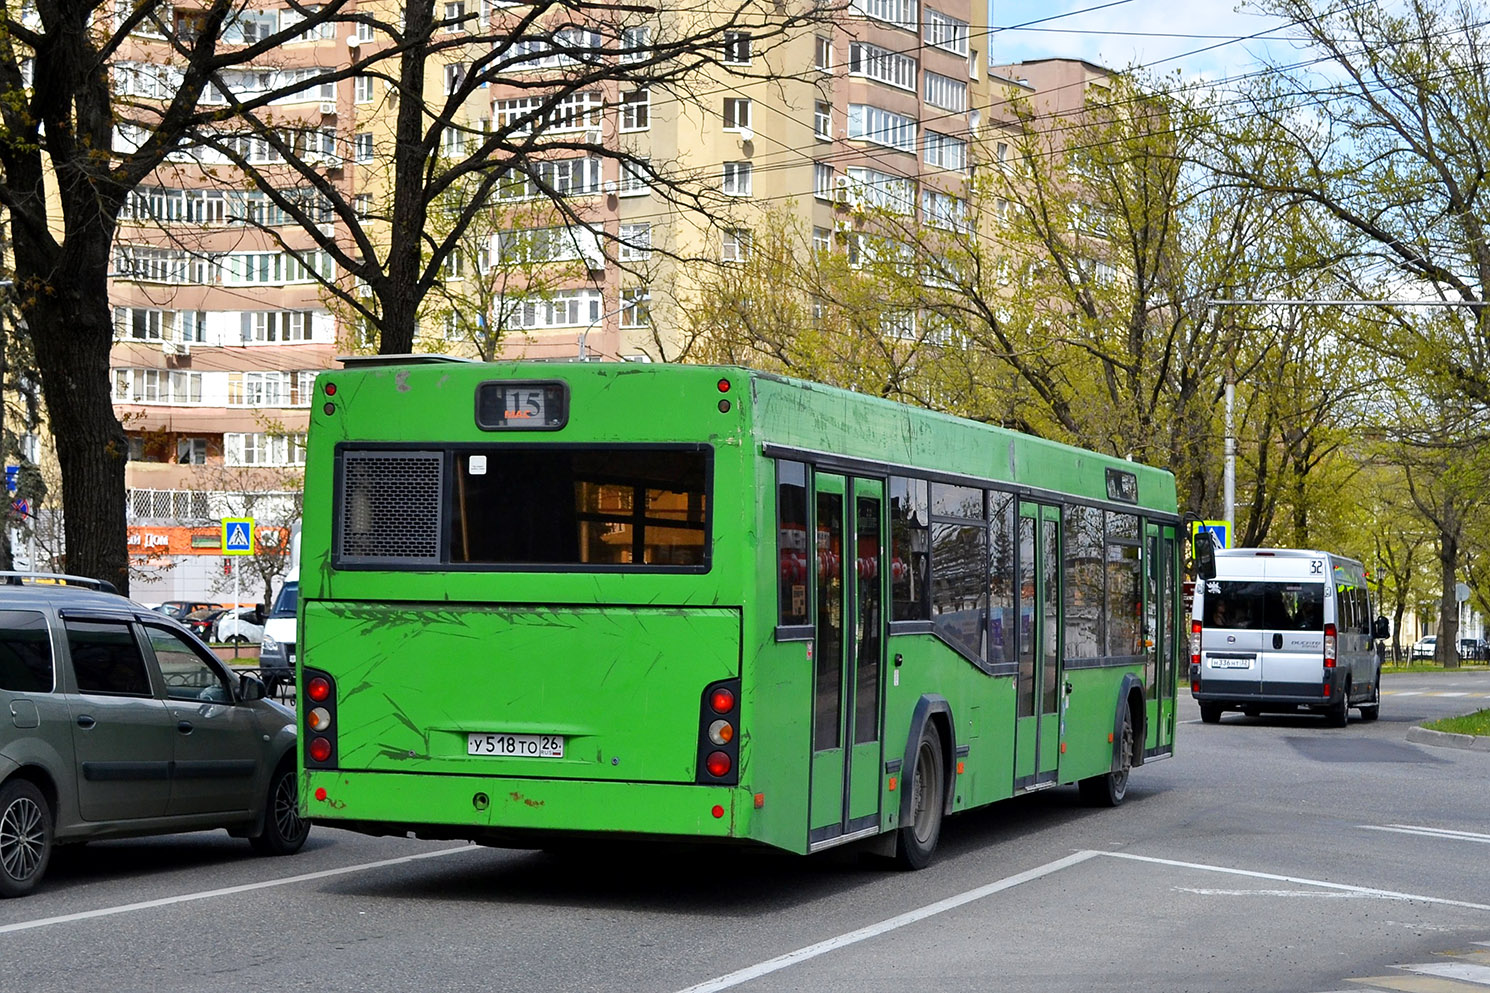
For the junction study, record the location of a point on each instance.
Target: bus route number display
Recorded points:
(522, 405)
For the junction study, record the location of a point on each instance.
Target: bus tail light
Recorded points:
(719, 734)
(1329, 646)
(318, 723)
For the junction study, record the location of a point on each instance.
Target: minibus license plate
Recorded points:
(529, 746)
(1231, 663)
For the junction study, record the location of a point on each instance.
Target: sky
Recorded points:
(1189, 35)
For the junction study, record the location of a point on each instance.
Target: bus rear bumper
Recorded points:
(521, 812)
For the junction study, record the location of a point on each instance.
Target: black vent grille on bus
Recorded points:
(390, 506)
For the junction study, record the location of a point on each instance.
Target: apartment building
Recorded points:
(221, 324)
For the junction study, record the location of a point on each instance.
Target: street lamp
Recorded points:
(584, 351)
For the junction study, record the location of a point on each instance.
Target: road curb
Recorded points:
(1444, 739)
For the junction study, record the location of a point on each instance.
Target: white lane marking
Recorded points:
(227, 890)
(1469, 973)
(1300, 880)
(1313, 894)
(1446, 693)
(790, 959)
(1429, 832)
(1401, 692)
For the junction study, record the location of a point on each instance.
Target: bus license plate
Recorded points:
(1231, 663)
(529, 746)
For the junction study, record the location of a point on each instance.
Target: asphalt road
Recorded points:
(1273, 854)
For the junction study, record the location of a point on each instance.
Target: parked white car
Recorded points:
(1425, 647)
(243, 625)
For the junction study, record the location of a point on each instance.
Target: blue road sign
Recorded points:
(237, 535)
(12, 478)
(1220, 531)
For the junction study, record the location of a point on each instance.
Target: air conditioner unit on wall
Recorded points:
(328, 106)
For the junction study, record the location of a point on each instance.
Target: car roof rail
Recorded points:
(56, 579)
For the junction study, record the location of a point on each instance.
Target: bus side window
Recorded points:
(791, 542)
(910, 540)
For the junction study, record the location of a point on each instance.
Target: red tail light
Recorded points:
(1195, 630)
(318, 688)
(1329, 646)
(320, 749)
(718, 764)
(722, 700)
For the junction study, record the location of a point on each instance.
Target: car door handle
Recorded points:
(85, 722)
(185, 727)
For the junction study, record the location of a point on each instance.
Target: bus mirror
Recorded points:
(1205, 556)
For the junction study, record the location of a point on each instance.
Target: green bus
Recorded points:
(544, 603)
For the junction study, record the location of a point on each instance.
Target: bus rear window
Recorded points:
(570, 507)
(1256, 605)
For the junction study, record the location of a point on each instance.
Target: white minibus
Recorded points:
(1283, 629)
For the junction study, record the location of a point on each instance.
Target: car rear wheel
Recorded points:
(1371, 711)
(1339, 712)
(1210, 713)
(25, 837)
(284, 829)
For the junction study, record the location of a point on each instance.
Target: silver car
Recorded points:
(121, 722)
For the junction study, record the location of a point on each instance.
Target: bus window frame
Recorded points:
(451, 451)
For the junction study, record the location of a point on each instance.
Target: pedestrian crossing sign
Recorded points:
(1219, 531)
(237, 535)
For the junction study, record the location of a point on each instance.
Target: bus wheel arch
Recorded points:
(926, 774)
(1110, 788)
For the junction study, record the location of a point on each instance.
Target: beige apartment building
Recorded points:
(220, 330)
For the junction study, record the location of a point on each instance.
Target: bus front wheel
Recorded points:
(923, 828)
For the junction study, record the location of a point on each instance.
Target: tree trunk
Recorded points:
(1447, 648)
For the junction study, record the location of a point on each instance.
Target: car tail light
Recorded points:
(719, 734)
(1195, 629)
(1329, 646)
(318, 725)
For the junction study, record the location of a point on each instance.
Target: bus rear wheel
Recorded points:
(1338, 714)
(1109, 789)
(923, 828)
(1210, 713)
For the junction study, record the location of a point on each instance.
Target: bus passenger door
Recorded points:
(1038, 698)
(848, 651)
(1171, 629)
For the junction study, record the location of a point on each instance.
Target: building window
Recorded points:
(882, 127)
(946, 32)
(736, 113)
(881, 64)
(263, 449)
(823, 57)
(736, 48)
(636, 243)
(823, 183)
(822, 239)
(822, 119)
(191, 451)
(901, 13)
(735, 245)
(362, 146)
(636, 307)
(945, 92)
(362, 89)
(455, 15)
(363, 31)
(636, 110)
(569, 308)
(870, 188)
(636, 44)
(737, 179)
(362, 204)
(635, 178)
(455, 77)
(946, 152)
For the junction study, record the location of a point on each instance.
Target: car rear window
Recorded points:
(25, 652)
(1255, 605)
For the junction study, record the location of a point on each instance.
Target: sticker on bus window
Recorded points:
(478, 465)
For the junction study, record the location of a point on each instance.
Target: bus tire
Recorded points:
(923, 827)
(1109, 789)
(25, 837)
(1210, 713)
